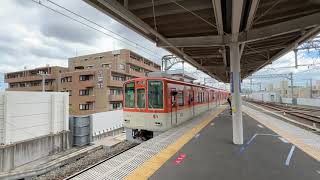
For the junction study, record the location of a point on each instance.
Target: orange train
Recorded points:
(153, 105)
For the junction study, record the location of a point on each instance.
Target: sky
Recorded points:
(33, 36)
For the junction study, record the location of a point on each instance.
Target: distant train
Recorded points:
(153, 105)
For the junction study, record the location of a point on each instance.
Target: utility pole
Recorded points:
(311, 88)
(291, 82)
(260, 87)
(43, 75)
(296, 57)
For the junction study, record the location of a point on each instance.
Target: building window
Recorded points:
(134, 68)
(122, 67)
(66, 79)
(106, 65)
(85, 77)
(84, 106)
(89, 66)
(78, 67)
(118, 78)
(116, 106)
(84, 92)
(87, 106)
(36, 83)
(116, 91)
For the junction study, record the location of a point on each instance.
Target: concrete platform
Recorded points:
(265, 155)
(202, 148)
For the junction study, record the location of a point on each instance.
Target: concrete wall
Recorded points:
(308, 102)
(286, 100)
(107, 121)
(17, 154)
(265, 96)
(28, 115)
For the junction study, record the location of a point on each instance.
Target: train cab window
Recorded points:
(129, 95)
(180, 99)
(155, 94)
(141, 98)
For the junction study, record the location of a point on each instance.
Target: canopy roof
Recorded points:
(200, 31)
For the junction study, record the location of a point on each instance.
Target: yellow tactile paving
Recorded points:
(290, 137)
(155, 162)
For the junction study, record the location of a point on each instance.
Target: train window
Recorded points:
(155, 94)
(129, 95)
(180, 99)
(190, 99)
(141, 98)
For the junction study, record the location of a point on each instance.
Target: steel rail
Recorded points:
(100, 162)
(279, 108)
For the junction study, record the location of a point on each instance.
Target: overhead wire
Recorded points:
(39, 2)
(91, 21)
(154, 18)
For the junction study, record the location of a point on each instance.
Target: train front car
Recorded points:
(154, 105)
(144, 108)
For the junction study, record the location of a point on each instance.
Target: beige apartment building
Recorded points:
(93, 81)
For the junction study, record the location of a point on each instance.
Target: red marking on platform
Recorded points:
(180, 158)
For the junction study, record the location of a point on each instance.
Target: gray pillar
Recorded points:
(237, 125)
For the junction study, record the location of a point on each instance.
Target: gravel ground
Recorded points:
(92, 158)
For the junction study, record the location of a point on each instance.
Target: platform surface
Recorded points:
(202, 148)
(265, 155)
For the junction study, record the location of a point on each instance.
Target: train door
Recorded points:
(191, 101)
(174, 107)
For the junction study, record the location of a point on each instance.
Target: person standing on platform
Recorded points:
(229, 99)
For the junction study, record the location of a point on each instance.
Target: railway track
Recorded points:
(100, 162)
(305, 116)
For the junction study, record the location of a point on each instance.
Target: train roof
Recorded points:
(175, 81)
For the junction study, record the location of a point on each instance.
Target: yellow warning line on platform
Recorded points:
(289, 136)
(154, 163)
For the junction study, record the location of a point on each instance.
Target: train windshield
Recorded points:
(155, 94)
(141, 98)
(129, 95)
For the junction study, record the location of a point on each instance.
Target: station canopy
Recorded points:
(200, 31)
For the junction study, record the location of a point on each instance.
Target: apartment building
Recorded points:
(94, 81)
(30, 80)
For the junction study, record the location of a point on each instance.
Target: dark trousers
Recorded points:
(229, 103)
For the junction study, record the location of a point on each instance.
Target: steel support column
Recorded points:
(237, 125)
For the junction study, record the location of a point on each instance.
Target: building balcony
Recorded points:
(32, 88)
(88, 83)
(142, 65)
(136, 73)
(27, 78)
(116, 97)
(114, 83)
(85, 98)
